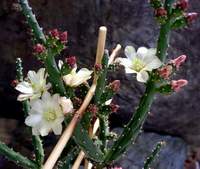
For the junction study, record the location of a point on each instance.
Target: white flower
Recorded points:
(74, 79)
(34, 87)
(66, 104)
(45, 115)
(140, 62)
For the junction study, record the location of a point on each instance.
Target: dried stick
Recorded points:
(55, 154)
(81, 155)
(114, 54)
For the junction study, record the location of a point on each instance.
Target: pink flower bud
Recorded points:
(182, 4)
(63, 37)
(93, 108)
(160, 12)
(165, 71)
(71, 61)
(114, 107)
(115, 85)
(97, 67)
(178, 84)
(54, 33)
(14, 83)
(39, 48)
(117, 168)
(178, 61)
(191, 17)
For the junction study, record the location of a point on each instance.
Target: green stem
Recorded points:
(132, 129)
(16, 157)
(153, 155)
(36, 141)
(50, 63)
(37, 30)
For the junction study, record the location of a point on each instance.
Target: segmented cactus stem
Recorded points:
(50, 63)
(17, 157)
(151, 158)
(134, 126)
(36, 141)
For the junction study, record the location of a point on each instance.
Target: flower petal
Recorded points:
(44, 130)
(23, 97)
(24, 87)
(142, 76)
(142, 52)
(154, 64)
(130, 52)
(33, 120)
(57, 129)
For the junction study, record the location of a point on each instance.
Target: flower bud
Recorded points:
(165, 71)
(92, 108)
(176, 85)
(178, 61)
(114, 107)
(54, 33)
(39, 48)
(191, 17)
(182, 4)
(63, 37)
(71, 61)
(115, 85)
(161, 12)
(66, 104)
(97, 67)
(14, 83)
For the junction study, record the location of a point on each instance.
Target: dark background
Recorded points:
(129, 22)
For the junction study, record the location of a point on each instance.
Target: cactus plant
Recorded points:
(83, 136)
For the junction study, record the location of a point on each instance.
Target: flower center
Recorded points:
(138, 65)
(50, 116)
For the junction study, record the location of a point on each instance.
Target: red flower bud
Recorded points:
(71, 61)
(178, 61)
(39, 48)
(160, 12)
(97, 67)
(191, 17)
(178, 84)
(114, 107)
(54, 33)
(115, 85)
(93, 108)
(63, 37)
(14, 83)
(165, 71)
(182, 4)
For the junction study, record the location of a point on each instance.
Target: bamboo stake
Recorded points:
(55, 154)
(81, 155)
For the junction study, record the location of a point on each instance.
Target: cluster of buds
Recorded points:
(97, 67)
(71, 61)
(62, 36)
(182, 5)
(166, 71)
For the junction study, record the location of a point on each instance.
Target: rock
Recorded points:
(128, 22)
(172, 155)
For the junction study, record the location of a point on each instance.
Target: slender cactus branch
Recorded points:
(154, 153)
(50, 63)
(78, 114)
(132, 129)
(19, 159)
(36, 141)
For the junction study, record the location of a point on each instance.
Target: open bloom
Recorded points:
(74, 79)
(34, 87)
(45, 115)
(140, 62)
